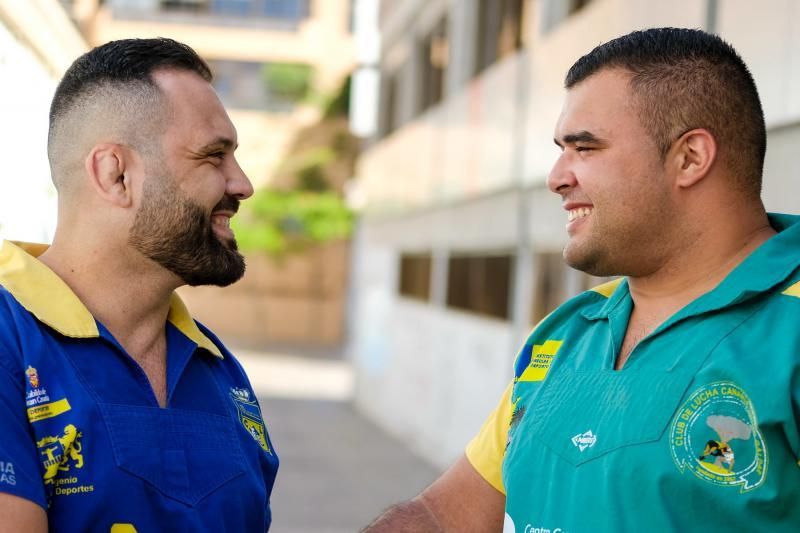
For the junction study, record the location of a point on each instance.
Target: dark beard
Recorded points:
(177, 234)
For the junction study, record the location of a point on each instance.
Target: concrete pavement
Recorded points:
(338, 471)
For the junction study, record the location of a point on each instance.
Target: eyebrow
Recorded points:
(579, 137)
(220, 143)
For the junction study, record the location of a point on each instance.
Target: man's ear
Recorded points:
(692, 156)
(106, 166)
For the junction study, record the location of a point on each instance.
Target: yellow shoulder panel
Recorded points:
(794, 290)
(39, 290)
(608, 288)
(181, 319)
(486, 450)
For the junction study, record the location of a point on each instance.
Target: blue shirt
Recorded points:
(82, 432)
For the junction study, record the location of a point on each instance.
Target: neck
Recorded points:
(699, 265)
(127, 293)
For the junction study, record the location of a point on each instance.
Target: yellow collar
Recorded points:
(39, 290)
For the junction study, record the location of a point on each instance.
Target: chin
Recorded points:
(589, 261)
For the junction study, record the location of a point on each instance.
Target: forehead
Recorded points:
(601, 104)
(196, 115)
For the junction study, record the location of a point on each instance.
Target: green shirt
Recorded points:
(698, 432)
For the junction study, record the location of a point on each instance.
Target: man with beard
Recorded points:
(120, 412)
(616, 394)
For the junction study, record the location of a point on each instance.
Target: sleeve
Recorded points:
(486, 450)
(20, 470)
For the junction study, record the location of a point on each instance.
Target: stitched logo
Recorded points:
(715, 435)
(33, 377)
(584, 440)
(542, 356)
(250, 416)
(63, 453)
(38, 400)
(7, 474)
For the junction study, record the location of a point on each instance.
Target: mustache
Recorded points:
(228, 203)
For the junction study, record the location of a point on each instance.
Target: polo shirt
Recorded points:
(83, 436)
(697, 432)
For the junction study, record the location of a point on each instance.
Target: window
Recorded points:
(549, 289)
(288, 10)
(556, 282)
(275, 87)
(577, 5)
(191, 6)
(480, 284)
(554, 12)
(388, 104)
(415, 276)
(435, 56)
(500, 30)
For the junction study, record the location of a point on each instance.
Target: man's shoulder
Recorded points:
(228, 360)
(570, 320)
(14, 326)
(11, 312)
(782, 303)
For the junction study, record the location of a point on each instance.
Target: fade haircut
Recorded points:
(110, 91)
(683, 79)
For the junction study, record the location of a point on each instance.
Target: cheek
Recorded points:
(207, 187)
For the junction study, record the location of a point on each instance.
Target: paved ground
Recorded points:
(338, 471)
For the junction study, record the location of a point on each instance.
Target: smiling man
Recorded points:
(668, 399)
(120, 412)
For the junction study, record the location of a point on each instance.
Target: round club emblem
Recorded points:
(715, 435)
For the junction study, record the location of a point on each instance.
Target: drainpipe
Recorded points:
(522, 285)
(712, 9)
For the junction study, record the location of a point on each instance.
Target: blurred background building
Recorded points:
(37, 43)
(268, 57)
(458, 252)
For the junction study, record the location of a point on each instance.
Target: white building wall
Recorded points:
(37, 43)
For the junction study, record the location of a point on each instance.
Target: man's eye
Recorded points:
(583, 148)
(217, 155)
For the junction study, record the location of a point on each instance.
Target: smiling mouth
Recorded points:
(580, 212)
(221, 221)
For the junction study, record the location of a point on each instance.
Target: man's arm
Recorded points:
(460, 500)
(20, 514)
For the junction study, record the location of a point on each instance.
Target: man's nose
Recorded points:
(561, 176)
(238, 183)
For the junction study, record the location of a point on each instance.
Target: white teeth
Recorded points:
(580, 212)
(222, 221)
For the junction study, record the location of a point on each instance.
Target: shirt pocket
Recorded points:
(186, 455)
(581, 416)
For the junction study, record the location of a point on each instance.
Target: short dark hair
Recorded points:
(120, 70)
(683, 79)
(124, 61)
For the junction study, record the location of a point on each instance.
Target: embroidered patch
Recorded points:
(38, 400)
(542, 356)
(48, 410)
(250, 416)
(33, 377)
(63, 453)
(715, 435)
